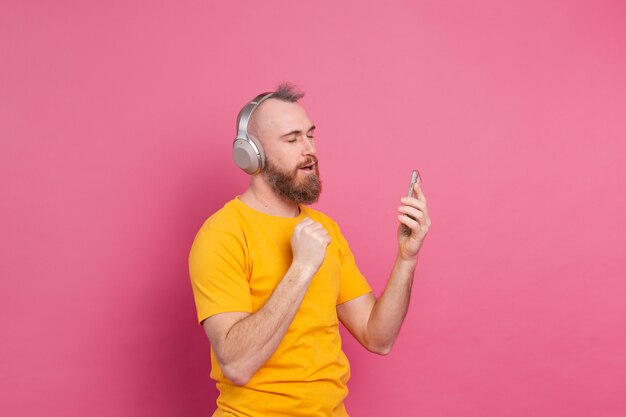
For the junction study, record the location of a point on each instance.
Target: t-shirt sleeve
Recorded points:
(217, 268)
(353, 284)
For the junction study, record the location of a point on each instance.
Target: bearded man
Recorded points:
(272, 277)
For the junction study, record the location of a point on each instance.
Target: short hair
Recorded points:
(286, 91)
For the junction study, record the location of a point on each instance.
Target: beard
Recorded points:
(287, 186)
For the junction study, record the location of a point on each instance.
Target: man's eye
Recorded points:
(291, 140)
(310, 136)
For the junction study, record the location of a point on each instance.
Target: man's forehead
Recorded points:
(281, 116)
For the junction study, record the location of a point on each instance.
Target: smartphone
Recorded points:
(415, 178)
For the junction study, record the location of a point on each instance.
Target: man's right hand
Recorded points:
(308, 244)
(243, 342)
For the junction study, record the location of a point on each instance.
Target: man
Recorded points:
(271, 277)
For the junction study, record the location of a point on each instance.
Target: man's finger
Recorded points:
(413, 212)
(413, 202)
(409, 222)
(419, 194)
(305, 221)
(315, 226)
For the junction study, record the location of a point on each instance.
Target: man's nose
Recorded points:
(309, 146)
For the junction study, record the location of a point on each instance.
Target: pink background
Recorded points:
(116, 121)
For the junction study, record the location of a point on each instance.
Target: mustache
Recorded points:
(309, 161)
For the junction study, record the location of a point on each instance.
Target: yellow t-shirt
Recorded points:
(237, 259)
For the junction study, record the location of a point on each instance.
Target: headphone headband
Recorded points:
(246, 112)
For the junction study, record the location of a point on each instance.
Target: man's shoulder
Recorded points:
(321, 217)
(316, 214)
(226, 220)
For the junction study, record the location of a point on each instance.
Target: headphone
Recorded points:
(247, 150)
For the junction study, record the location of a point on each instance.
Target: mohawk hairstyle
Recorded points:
(287, 92)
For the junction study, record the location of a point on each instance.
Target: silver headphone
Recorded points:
(247, 150)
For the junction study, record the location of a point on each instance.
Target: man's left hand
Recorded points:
(418, 223)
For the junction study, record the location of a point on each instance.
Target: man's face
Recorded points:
(286, 133)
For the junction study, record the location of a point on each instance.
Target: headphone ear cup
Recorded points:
(248, 154)
(261, 152)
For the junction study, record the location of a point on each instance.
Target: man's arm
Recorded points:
(375, 323)
(243, 342)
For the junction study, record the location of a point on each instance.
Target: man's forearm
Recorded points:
(251, 341)
(391, 307)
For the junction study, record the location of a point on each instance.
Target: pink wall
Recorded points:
(116, 122)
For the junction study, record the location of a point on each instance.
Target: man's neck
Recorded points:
(261, 197)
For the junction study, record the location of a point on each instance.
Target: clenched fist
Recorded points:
(308, 244)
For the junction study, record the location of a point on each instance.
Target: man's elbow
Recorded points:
(235, 374)
(382, 349)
